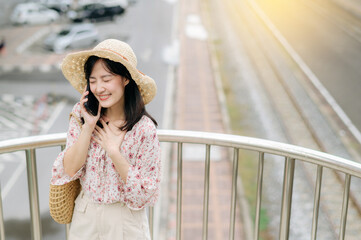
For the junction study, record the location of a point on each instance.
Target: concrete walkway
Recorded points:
(198, 109)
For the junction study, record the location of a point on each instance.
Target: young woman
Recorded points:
(116, 153)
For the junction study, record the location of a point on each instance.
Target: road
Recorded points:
(36, 100)
(328, 40)
(265, 80)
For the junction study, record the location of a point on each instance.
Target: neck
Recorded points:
(115, 114)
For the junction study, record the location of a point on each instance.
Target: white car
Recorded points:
(123, 3)
(72, 37)
(60, 6)
(33, 13)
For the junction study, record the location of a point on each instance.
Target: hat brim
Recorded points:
(73, 70)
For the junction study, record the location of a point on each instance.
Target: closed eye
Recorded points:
(107, 78)
(92, 80)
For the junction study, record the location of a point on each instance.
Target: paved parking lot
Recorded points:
(27, 70)
(25, 51)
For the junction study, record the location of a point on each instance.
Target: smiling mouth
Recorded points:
(103, 97)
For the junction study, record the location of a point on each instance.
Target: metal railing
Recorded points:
(290, 153)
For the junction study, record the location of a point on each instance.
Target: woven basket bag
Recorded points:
(62, 201)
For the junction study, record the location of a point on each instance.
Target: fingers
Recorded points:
(98, 131)
(85, 90)
(82, 107)
(83, 99)
(105, 125)
(96, 140)
(98, 135)
(85, 93)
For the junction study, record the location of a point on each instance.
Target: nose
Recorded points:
(99, 87)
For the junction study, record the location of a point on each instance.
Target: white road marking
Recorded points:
(9, 157)
(171, 1)
(18, 122)
(26, 68)
(8, 123)
(7, 67)
(28, 99)
(22, 165)
(13, 179)
(166, 147)
(29, 41)
(45, 68)
(14, 123)
(194, 28)
(9, 98)
(170, 53)
(55, 114)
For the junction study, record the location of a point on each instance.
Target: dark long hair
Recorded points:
(134, 107)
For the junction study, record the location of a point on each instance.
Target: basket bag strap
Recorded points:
(62, 197)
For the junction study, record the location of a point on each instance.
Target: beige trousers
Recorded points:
(92, 221)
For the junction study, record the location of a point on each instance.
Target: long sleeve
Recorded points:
(143, 182)
(100, 180)
(59, 176)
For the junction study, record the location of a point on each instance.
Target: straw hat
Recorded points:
(115, 50)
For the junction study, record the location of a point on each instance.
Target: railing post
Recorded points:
(206, 192)
(259, 195)
(179, 191)
(67, 226)
(67, 229)
(346, 194)
(33, 194)
(287, 198)
(234, 193)
(2, 226)
(151, 222)
(316, 204)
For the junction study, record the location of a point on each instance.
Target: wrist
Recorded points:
(114, 153)
(120, 163)
(88, 128)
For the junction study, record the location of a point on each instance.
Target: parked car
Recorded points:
(33, 13)
(71, 37)
(123, 3)
(95, 11)
(60, 6)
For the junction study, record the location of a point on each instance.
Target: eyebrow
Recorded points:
(102, 76)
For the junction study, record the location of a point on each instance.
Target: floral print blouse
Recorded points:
(99, 179)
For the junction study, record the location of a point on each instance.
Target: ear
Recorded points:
(126, 81)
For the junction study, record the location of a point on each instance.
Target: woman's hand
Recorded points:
(110, 137)
(89, 119)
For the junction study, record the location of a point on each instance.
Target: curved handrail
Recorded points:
(32, 142)
(262, 145)
(226, 140)
(290, 152)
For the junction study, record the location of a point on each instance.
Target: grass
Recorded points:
(248, 161)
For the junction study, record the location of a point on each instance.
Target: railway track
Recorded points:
(306, 118)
